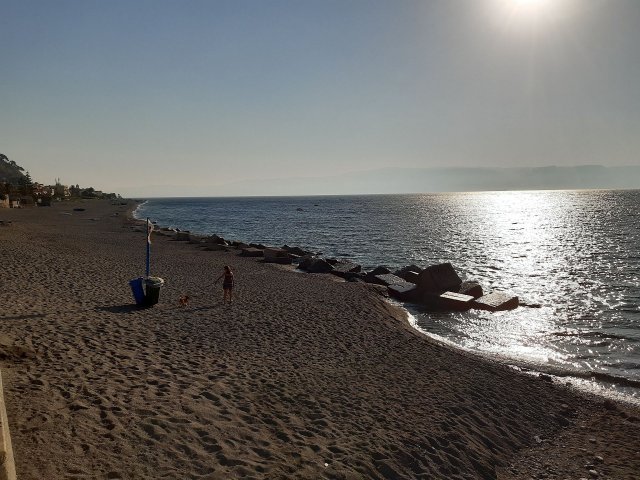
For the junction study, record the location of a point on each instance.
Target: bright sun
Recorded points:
(517, 12)
(531, 6)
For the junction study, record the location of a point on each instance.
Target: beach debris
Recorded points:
(496, 302)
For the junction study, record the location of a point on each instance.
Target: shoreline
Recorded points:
(605, 385)
(303, 377)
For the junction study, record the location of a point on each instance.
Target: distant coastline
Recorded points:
(412, 180)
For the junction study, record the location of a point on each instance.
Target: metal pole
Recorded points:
(148, 246)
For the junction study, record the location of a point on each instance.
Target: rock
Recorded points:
(471, 288)
(215, 239)
(182, 236)
(251, 252)
(409, 268)
(305, 262)
(296, 251)
(384, 279)
(345, 269)
(259, 246)
(381, 270)
(455, 301)
(405, 292)
(319, 265)
(598, 459)
(355, 277)
(496, 301)
(277, 255)
(410, 273)
(242, 245)
(438, 279)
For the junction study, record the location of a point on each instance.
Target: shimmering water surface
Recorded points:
(573, 256)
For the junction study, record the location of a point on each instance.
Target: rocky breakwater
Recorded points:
(436, 287)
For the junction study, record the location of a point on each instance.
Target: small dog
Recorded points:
(183, 301)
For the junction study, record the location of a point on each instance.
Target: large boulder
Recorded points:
(296, 251)
(277, 255)
(182, 236)
(405, 292)
(370, 277)
(345, 269)
(409, 273)
(216, 239)
(384, 279)
(305, 262)
(471, 288)
(437, 279)
(319, 265)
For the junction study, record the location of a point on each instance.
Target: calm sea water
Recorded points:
(575, 255)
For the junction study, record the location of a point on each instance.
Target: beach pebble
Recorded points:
(594, 473)
(598, 459)
(592, 440)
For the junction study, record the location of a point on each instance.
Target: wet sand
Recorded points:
(302, 377)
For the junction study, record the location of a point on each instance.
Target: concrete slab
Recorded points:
(455, 301)
(496, 301)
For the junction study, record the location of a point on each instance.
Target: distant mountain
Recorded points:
(416, 180)
(10, 172)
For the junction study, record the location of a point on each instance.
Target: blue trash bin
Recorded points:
(138, 290)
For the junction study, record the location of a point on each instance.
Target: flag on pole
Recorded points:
(149, 230)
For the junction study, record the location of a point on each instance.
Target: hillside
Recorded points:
(10, 171)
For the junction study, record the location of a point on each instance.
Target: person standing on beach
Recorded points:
(227, 284)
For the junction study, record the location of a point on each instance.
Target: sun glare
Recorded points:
(529, 11)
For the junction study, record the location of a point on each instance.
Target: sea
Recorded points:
(572, 257)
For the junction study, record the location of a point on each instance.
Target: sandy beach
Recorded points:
(304, 376)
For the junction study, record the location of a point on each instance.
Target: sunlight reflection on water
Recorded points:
(575, 254)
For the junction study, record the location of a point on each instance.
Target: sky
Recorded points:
(168, 97)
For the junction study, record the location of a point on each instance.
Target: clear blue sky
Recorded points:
(134, 95)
